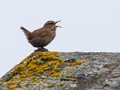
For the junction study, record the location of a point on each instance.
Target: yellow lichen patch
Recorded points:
(12, 84)
(78, 62)
(26, 75)
(26, 84)
(46, 55)
(14, 72)
(51, 85)
(32, 66)
(47, 64)
(62, 84)
(55, 74)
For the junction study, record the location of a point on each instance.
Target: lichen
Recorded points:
(78, 62)
(47, 64)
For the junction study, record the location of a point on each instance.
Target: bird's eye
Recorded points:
(51, 23)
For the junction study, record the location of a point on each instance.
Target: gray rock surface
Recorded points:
(101, 71)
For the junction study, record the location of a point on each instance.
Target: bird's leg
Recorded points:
(41, 49)
(44, 49)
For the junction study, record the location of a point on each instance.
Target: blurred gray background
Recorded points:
(87, 26)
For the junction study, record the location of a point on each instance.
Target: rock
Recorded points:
(65, 71)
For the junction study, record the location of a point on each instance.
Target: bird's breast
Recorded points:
(41, 41)
(50, 37)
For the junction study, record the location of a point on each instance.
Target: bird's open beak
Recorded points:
(57, 22)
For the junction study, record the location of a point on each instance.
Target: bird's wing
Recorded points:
(42, 34)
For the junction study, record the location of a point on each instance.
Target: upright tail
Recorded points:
(27, 33)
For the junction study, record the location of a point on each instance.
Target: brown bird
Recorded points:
(42, 36)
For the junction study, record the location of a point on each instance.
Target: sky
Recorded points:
(87, 26)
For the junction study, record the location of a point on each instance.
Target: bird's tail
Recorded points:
(27, 33)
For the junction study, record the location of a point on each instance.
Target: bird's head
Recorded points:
(51, 24)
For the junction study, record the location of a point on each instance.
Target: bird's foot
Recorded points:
(41, 50)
